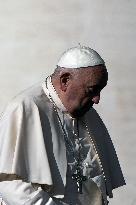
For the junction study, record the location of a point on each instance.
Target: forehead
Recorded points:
(94, 75)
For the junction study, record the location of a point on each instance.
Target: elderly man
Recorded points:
(54, 147)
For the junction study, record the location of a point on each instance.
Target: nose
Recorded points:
(96, 99)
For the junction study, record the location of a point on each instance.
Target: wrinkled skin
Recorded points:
(79, 91)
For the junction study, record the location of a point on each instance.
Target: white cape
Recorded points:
(32, 144)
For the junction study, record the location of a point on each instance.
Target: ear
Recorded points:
(64, 81)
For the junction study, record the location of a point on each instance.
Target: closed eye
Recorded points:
(93, 90)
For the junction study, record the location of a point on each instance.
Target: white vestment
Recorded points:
(33, 149)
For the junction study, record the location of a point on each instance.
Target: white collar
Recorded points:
(52, 94)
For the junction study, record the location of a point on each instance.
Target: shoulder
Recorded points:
(26, 100)
(28, 95)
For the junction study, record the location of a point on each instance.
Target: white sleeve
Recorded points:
(17, 192)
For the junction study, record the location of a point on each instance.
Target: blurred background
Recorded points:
(33, 35)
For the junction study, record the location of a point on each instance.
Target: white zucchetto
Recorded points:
(80, 56)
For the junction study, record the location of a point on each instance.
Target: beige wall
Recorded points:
(34, 33)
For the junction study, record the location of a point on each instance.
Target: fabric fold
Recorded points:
(23, 152)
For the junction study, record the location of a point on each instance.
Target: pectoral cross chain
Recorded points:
(79, 179)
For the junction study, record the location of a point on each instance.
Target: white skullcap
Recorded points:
(80, 56)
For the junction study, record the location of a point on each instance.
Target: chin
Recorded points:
(81, 112)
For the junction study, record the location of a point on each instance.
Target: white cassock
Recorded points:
(34, 165)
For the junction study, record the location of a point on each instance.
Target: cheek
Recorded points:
(74, 94)
(78, 99)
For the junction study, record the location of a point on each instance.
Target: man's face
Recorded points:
(84, 89)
